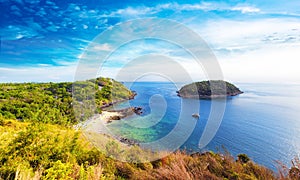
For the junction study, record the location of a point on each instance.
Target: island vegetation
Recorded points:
(38, 141)
(208, 90)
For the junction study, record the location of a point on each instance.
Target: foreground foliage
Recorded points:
(44, 151)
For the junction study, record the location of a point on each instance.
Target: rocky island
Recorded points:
(208, 90)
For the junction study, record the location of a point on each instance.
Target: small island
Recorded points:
(208, 90)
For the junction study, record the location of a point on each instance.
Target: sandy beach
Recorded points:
(98, 122)
(106, 116)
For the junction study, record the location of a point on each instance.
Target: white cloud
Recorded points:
(204, 6)
(155, 66)
(102, 47)
(17, 32)
(38, 74)
(249, 34)
(275, 64)
(246, 9)
(144, 56)
(190, 7)
(130, 11)
(246, 49)
(19, 36)
(85, 26)
(213, 6)
(262, 50)
(52, 28)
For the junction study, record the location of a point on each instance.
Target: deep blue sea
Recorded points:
(263, 122)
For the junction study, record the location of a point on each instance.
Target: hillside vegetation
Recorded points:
(53, 102)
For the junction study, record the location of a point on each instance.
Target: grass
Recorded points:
(44, 151)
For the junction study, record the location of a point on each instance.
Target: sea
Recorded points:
(263, 122)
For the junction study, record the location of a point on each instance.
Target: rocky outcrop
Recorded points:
(126, 112)
(127, 141)
(138, 110)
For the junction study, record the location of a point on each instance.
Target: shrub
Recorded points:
(59, 170)
(243, 158)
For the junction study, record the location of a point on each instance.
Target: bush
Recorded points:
(294, 173)
(243, 158)
(59, 170)
(1, 121)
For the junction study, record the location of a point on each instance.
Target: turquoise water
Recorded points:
(264, 122)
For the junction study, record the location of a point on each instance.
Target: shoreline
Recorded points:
(98, 123)
(109, 116)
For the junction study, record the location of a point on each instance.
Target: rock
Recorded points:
(133, 94)
(138, 110)
(128, 111)
(127, 141)
(115, 118)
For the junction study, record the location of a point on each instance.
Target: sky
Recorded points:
(252, 40)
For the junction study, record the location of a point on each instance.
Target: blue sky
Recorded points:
(252, 40)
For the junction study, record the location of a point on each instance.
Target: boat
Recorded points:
(196, 115)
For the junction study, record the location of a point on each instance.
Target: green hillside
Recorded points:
(53, 102)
